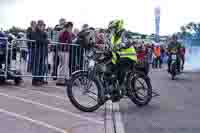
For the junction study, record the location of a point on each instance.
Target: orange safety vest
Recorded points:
(157, 51)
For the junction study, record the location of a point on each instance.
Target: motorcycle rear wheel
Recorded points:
(173, 71)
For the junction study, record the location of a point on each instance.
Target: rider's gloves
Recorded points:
(123, 45)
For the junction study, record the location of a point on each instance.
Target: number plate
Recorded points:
(173, 57)
(91, 63)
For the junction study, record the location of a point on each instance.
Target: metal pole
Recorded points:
(6, 65)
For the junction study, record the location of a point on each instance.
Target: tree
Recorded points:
(183, 29)
(191, 28)
(143, 36)
(15, 30)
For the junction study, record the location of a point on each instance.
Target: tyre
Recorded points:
(173, 71)
(83, 76)
(2, 80)
(18, 81)
(173, 77)
(133, 93)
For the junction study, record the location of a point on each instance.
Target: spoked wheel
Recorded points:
(84, 92)
(140, 89)
(2, 80)
(18, 81)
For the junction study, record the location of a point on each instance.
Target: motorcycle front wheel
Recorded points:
(173, 71)
(140, 89)
(86, 87)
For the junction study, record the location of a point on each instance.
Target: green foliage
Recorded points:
(191, 27)
(15, 30)
(133, 34)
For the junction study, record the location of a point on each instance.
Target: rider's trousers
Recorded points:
(121, 67)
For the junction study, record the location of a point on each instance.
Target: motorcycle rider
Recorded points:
(124, 54)
(174, 46)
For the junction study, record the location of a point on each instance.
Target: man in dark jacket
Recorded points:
(30, 32)
(39, 52)
(77, 53)
(3, 43)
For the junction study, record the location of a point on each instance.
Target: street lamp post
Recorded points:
(157, 23)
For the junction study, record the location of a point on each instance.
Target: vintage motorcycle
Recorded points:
(174, 70)
(135, 85)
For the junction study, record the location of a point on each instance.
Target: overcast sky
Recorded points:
(137, 14)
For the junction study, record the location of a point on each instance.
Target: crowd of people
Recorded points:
(66, 58)
(52, 46)
(157, 54)
(62, 53)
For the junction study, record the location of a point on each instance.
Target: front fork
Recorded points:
(88, 83)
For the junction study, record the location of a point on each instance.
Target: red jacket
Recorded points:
(99, 38)
(65, 37)
(141, 55)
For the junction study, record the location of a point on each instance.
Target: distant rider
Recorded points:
(174, 46)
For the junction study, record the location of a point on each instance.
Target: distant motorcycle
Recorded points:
(174, 70)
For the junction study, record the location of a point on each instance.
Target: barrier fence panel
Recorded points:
(41, 59)
(4, 55)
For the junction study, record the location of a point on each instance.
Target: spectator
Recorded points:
(39, 52)
(76, 31)
(21, 37)
(149, 53)
(61, 25)
(157, 52)
(85, 27)
(29, 36)
(65, 37)
(100, 39)
(141, 53)
(50, 33)
(3, 43)
(57, 30)
(162, 51)
(76, 51)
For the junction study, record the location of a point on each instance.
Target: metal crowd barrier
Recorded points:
(39, 59)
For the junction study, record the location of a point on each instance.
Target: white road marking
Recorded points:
(56, 87)
(40, 92)
(119, 123)
(109, 122)
(52, 108)
(40, 123)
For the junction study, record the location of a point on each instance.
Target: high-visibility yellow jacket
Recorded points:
(129, 52)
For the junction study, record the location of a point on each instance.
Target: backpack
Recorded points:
(86, 38)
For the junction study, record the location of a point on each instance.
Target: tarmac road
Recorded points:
(176, 110)
(46, 109)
